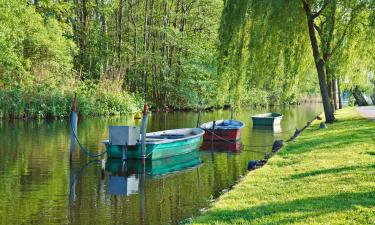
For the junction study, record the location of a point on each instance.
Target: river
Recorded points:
(40, 186)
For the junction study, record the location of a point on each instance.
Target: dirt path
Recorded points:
(367, 111)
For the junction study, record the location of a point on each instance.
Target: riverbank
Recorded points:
(40, 101)
(323, 177)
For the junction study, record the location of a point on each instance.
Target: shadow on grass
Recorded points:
(330, 171)
(301, 208)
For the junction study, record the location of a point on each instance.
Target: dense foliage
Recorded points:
(268, 47)
(173, 54)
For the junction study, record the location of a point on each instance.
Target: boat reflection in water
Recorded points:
(126, 178)
(222, 146)
(266, 129)
(119, 185)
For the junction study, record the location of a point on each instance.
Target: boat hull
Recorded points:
(222, 146)
(156, 150)
(271, 120)
(221, 135)
(225, 130)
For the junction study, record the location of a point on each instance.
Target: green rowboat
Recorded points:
(267, 119)
(161, 144)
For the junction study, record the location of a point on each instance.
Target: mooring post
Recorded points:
(71, 184)
(142, 194)
(73, 126)
(143, 132)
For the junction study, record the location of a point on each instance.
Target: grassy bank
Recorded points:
(323, 177)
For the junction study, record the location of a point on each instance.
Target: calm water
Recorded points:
(39, 186)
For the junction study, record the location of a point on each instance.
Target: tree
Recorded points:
(318, 59)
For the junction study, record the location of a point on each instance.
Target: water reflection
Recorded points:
(123, 185)
(74, 178)
(267, 129)
(153, 168)
(222, 146)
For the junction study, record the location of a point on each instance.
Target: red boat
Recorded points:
(221, 146)
(222, 130)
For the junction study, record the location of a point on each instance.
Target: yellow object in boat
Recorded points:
(138, 116)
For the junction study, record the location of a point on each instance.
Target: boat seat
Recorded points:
(153, 139)
(226, 127)
(166, 136)
(173, 135)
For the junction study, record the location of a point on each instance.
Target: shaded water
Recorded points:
(40, 187)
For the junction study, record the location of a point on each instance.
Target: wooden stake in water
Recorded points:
(143, 131)
(73, 127)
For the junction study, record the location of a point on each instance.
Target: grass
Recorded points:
(323, 177)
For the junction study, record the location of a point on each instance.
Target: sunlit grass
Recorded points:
(323, 177)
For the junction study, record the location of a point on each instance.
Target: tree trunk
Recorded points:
(339, 93)
(361, 101)
(330, 89)
(373, 99)
(334, 92)
(119, 32)
(135, 42)
(145, 41)
(319, 63)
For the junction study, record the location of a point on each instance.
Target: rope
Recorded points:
(149, 154)
(76, 177)
(85, 150)
(286, 131)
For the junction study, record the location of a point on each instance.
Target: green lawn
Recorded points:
(323, 177)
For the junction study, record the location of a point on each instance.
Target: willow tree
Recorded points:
(331, 23)
(262, 58)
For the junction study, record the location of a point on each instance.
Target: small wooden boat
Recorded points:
(267, 119)
(161, 144)
(221, 146)
(222, 130)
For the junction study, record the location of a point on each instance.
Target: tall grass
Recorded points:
(43, 101)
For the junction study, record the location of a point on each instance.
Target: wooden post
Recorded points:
(143, 132)
(142, 194)
(73, 127)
